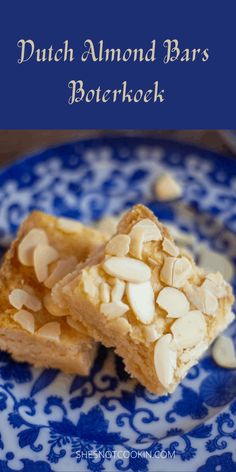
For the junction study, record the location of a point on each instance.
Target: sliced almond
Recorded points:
(51, 306)
(105, 292)
(193, 353)
(89, 286)
(202, 299)
(166, 272)
(182, 370)
(43, 256)
(155, 280)
(223, 352)
(141, 300)
(63, 267)
(189, 330)
(19, 298)
(51, 330)
(118, 291)
(170, 248)
(137, 241)
(114, 309)
(28, 244)
(165, 360)
(173, 301)
(67, 225)
(152, 333)
(176, 271)
(143, 231)
(128, 269)
(215, 284)
(118, 246)
(229, 317)
(153, 233)
(25, 319)
(108, 225)
(167, 188)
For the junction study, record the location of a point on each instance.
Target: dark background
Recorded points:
(14, 144)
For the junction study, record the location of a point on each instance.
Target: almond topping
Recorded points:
(114, 309)
(67, 225)
(63, 267)
(170, 247)
(182, 370)
(50, 331)
(118, 291)
(223, 352)
(142, 232)
(118, 246)
(229, 317)
(176, 271)
(215, 284)
(173, 301)
(105, 292)
(89, 286)
(43, 256)
(167, 188)
(25, 319)
(202, 299)
(19, 298)
(51, 306)
(108, 225)
(141, 300)
(193, 353)
(155, 280)
(128, 269)
(189, 330)
(28, 244)
(152, 333)
(165, 360)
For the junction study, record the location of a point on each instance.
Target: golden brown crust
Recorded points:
(76, 350)
(137, 213)
(130, 344)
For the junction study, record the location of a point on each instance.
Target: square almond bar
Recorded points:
(147, 298)
(33, 328)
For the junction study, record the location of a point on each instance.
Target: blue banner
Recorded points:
(126, 64)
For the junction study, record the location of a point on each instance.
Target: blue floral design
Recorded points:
(223, 463)
(190, 404)
(56, 421)
(9, 370)
(218, 389)
(28, 465)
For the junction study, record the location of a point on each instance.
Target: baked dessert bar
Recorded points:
(147, 298)
(32, 326)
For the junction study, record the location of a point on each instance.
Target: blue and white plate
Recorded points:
(106, 421)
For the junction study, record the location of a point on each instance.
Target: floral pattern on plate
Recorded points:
(106, 421)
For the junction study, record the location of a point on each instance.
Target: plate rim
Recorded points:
(192, 148)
